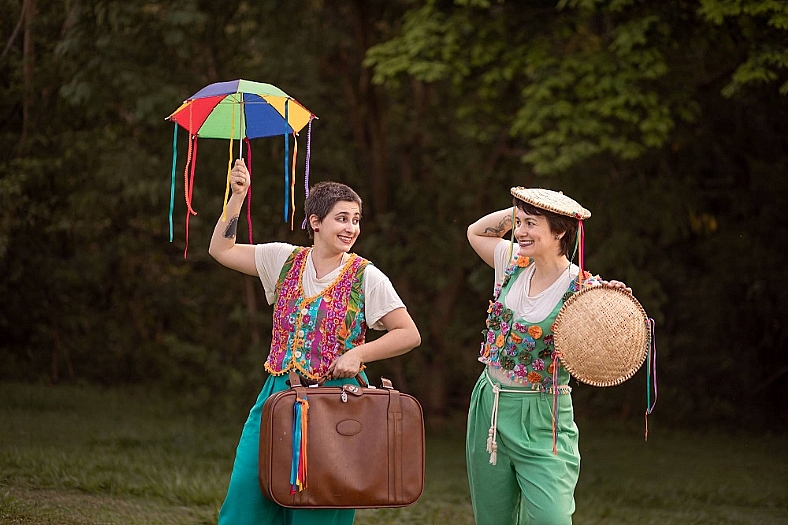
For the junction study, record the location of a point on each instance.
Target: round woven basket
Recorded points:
(602, 334)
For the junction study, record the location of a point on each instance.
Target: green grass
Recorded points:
(73, 455)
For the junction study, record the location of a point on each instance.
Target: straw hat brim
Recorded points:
(602, 334)
(554, 201)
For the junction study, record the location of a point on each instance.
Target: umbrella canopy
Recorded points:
(240, 110)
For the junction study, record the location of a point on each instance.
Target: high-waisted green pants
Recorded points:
(529, 484)
(245, 503)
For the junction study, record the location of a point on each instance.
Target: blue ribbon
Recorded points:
(296, 446)
(174, 162)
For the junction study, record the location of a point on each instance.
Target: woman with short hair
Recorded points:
(325, 297)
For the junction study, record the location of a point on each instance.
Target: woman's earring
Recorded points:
(317, 230)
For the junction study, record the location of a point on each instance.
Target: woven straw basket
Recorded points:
(603, 335)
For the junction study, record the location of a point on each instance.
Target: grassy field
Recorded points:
(86, 456)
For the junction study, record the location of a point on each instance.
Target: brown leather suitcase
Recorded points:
(364, 447)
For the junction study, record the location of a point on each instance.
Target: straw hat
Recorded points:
(550, 200)
(603, 335)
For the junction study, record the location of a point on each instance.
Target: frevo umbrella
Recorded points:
(240, 110)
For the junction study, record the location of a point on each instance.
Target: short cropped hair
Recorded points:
(322, 198)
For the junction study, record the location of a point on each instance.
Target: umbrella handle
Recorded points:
(241, 129)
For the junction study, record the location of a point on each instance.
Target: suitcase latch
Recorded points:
(351, 389)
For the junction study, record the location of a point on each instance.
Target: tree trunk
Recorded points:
(442, 308)
(28, 62)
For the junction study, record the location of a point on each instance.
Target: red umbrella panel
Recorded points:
(242, 110)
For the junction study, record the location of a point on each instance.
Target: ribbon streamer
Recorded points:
(229, 163)
(174, 163)
(556, 366)
(511, 244)
(581, 241)
(191, 191)
(308, 156)
(187, 190)
(249, 191)
(292, 180)
(287, 164)
(298, 465)
(651, 373)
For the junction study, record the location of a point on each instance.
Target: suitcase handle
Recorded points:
(296, 380)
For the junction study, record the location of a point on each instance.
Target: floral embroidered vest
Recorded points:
(309, 333)
(524, 351)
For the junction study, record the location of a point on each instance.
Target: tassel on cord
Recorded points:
(174, 163)
(298, 465)
(249, 191)
(287, 166)
(492, 442)
(651, 373)
(306, 171)
(292, 180)
(229, 160)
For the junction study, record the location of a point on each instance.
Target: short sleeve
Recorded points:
(502, 257)
(269, 259)
(380, 297)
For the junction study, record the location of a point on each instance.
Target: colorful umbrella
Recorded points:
(242, 110)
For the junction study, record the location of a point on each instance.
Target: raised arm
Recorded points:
(223, 247)
(485, 233)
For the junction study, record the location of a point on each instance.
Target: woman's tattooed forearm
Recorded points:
(229, 233)
(498, 231)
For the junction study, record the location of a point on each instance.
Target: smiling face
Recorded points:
(322, 199)
(534, 235)
(555, 224)
(340, 228)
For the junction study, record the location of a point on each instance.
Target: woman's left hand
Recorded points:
(617, 284)
(347, 365)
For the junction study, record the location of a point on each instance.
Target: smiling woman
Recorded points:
(522, 449)
(325, 298)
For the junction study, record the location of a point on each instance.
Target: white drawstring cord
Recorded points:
(492, 434)
(492, 443)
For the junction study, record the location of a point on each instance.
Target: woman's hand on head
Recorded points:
(239, 178)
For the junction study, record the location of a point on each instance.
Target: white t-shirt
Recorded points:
(380, 297)
(531, 309)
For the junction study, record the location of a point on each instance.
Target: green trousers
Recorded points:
(529, 484)
(245, 503)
